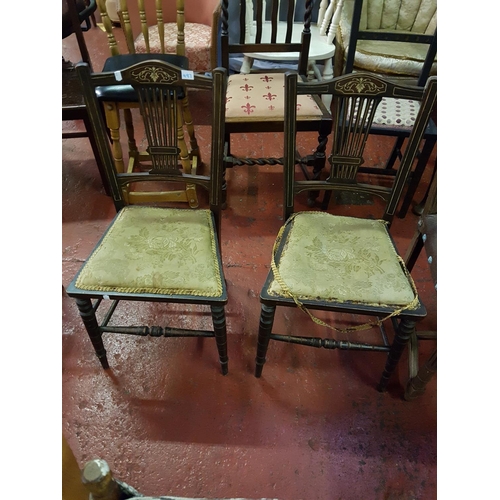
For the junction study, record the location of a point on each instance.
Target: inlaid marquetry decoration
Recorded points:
(154, 75)
(367, 85)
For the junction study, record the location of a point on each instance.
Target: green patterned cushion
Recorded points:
(156, 250)
(335, 258)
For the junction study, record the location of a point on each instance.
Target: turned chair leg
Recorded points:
(88, 316)
(265, 329)
(219, 322)
(403, 333)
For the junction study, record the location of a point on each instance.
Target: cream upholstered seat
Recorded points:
(341, 264)
(259, 97)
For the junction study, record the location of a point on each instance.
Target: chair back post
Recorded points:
(219, 76)
(289, 143)
(356, 16)
(426, 106)
(77, 29)
(224, 39)
(429, 59)
(99, 129)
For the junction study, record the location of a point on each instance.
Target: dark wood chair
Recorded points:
(255, 99)
(155, 253)
(397, 41)
(337, 263)
(73, 105)
(425, 237)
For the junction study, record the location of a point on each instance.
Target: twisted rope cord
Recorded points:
(364, 326)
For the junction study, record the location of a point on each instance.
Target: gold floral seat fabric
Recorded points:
(340, 259)
(260, 97)
(158, 251)
(198, 41)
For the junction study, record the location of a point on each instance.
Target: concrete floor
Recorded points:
(167, 421)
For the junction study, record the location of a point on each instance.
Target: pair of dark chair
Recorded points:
(320, 260)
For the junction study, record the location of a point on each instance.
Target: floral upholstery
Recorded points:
(336, 258)
(261, 97)
(158, 251)
(380, 56)
(197, 38)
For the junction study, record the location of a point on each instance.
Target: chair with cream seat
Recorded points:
(255, 100)
(398, 40)
(156, 253)
(344, 264)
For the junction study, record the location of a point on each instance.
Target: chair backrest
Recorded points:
(252, 20)
(136, 18)
(355, 98)
(398, 21)
(158, 85)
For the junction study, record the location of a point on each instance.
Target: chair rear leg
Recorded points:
(265, 329)
(416, 385)
(219, 322)
(403, 333)
(88, 316)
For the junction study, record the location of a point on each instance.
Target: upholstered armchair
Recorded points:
(383, 20)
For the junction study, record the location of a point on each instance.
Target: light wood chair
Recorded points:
(144, 28)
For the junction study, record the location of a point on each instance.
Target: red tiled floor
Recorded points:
(167, 421)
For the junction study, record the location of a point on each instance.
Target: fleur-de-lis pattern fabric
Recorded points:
(197, 39)
(156, 250)
(261, 97)
(337, 258)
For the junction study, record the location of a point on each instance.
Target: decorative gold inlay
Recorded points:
(155, 75)
(361, 84)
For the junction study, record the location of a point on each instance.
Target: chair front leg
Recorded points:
(404, 331)
(219, 322)
(265, 329)
(88, 316)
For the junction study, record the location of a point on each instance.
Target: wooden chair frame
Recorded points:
(248, 43)
(344, 162)
(157, 78)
